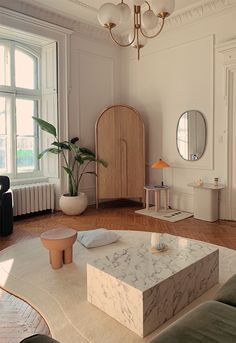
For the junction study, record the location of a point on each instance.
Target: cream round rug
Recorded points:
(60, 295)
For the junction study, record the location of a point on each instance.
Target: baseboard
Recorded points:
(181, 200)
(178, 199)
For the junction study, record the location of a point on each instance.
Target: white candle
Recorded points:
(155, 239)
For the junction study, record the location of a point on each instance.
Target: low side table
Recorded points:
(59, 242)
(206, 201)
(158, 193)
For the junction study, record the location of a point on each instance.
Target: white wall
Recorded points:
(95, 85)
(180, 71)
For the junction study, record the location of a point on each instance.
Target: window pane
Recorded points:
(25, 154)
(5, 68)
(5, 152)
(24, 70)
(26, 140)
(3, 155)
(3, 124)
(24, 112)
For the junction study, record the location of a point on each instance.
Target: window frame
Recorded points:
(15, 93)
(8, 131)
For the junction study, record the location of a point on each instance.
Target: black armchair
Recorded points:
(6, 212)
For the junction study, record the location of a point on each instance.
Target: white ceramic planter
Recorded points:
(73, 205)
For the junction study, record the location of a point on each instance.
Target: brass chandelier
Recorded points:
(111, 15)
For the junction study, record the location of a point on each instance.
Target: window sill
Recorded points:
(15, 182)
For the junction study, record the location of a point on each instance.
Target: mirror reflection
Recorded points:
(191, 135)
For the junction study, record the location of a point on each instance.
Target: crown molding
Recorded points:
(82, 4)
(90, 31)
(179, 18)
(37, 12)
(30, 19)
(198, 11)
(34, 11)
(185, 15)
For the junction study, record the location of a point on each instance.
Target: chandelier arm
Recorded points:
(120, 44)
(149, 6)
(156, 34)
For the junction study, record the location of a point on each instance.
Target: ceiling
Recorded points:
(86, 10)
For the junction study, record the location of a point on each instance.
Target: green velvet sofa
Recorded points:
(39, 339)
(211, 322)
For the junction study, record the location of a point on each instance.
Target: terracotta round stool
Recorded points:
(59, 242)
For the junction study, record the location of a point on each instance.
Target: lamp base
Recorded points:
(159, 248)
(161, 186)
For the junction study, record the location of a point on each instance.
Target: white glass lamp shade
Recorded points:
(125, 12)
(138, 2)
(149, 20)
(109, 14)
(142, 41)
(161, 6)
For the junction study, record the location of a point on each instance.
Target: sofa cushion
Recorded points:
(211, 322)
(39, 339)
(227, 293)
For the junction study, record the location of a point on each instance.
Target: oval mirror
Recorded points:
(191, 135)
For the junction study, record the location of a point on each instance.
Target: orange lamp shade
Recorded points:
(160, 164)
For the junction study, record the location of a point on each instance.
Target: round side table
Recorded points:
(59, 242)
(158, 191)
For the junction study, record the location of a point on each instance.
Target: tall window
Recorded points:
(19, 100)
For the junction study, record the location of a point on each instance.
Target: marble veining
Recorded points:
(140, 268)
(142, 290)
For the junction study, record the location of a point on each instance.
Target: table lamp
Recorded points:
(160, 164)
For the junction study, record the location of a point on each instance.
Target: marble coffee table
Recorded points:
(142, 290)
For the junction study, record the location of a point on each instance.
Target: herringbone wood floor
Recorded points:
(18, 319)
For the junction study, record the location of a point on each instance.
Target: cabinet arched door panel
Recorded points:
(120, 142)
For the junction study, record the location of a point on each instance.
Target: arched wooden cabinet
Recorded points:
(120, 141)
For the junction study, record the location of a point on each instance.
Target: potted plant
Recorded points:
(76, 161)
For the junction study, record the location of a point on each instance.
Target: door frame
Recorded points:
(228, 50)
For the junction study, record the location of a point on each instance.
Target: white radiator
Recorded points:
(33, 197)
